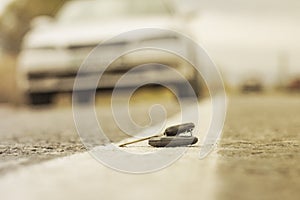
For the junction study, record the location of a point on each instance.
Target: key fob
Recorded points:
(182, 128)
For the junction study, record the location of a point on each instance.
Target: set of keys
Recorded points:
(175, 136)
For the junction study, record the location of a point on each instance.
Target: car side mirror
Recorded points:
(41, 20)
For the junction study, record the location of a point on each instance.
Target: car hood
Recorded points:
(65, 35)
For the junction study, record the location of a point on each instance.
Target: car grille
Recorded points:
(44, 75)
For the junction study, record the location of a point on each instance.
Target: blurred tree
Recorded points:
(15, 21)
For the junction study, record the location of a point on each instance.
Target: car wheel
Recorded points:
(185, 91)
(197, 86)
(41, 98)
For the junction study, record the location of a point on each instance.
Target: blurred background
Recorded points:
(15, 17)
(255, 44)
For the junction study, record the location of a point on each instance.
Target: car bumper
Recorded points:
(108, 80)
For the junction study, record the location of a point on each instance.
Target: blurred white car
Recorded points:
(54, 49)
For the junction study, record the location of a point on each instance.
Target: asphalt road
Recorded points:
(30, 135)
(260, 149)
(258, 158)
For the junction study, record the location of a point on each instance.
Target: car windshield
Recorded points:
(94, 10)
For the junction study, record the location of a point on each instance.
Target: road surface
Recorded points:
(258, 158)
